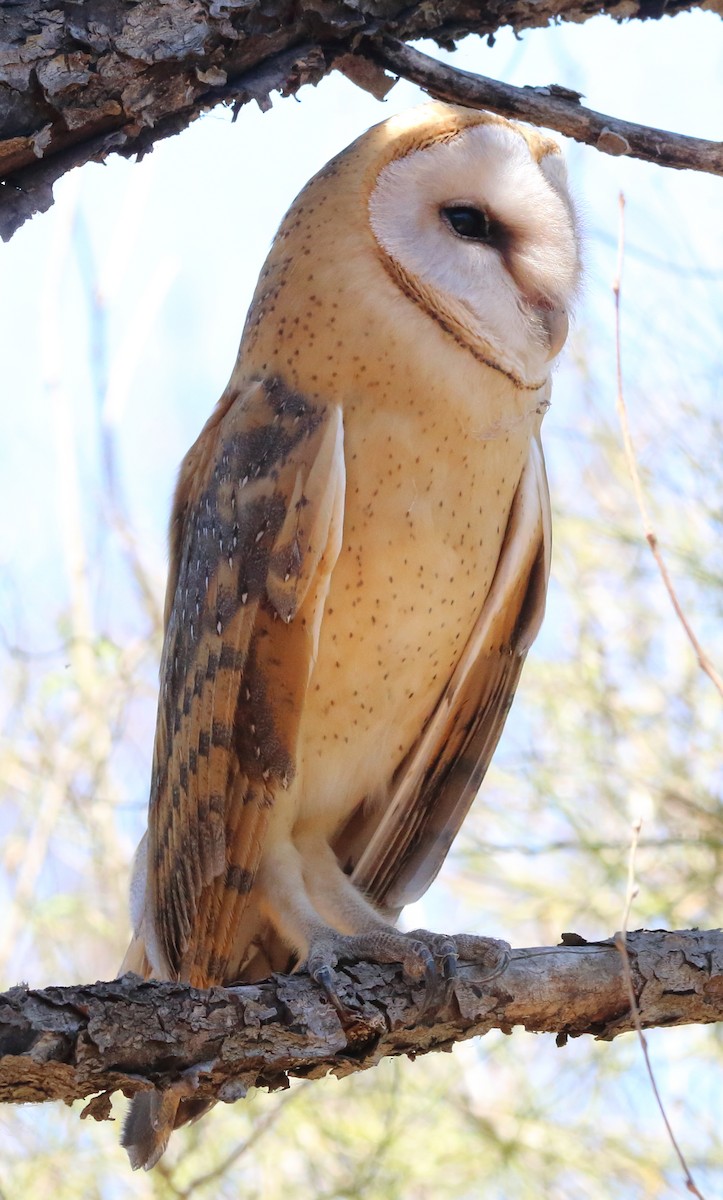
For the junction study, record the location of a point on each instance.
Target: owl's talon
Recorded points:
(449, 965)
(325, 979)
(444, 948)
(324, 976)
(418, 954)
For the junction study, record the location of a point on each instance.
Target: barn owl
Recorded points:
(359, 553)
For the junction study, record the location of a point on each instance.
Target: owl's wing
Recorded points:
(255, 533)
(434, 787)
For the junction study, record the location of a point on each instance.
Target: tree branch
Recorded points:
(81, 80)
(553, 107)
(73, 1042)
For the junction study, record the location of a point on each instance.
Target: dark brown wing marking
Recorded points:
(254, 535)
(395, 862)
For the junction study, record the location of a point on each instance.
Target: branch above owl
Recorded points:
(107, 77)
(68, 1043)
(552, 107)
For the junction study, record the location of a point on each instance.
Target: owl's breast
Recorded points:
(426, 509)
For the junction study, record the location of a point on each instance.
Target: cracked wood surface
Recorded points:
(68, 1043)
(79, 81)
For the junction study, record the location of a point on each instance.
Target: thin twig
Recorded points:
(621, 941)
(572, 845)
(262, 1126)
(555, 108)
(703, 660)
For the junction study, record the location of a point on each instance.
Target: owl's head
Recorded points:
(443, 213)
(473, 215)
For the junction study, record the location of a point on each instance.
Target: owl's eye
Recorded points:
(468, 222)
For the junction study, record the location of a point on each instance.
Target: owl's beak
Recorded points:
(556, 324)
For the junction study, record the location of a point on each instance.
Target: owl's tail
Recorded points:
(151, 1119)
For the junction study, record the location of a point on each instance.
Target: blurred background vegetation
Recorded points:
(121, 324)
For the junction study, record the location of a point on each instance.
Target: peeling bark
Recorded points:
(79, 80)
(74, 1042)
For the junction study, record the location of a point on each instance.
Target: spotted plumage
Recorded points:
(359, 558)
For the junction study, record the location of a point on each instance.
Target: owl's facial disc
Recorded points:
(483, 234)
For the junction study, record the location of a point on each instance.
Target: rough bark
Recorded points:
(67, 1043)
(80, 80)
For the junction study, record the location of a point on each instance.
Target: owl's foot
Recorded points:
(418, 952)
(466, 947)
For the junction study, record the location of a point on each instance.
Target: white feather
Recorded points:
(490, 167)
